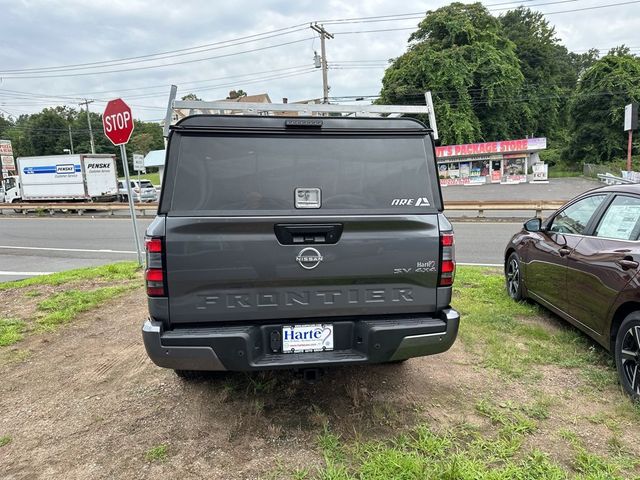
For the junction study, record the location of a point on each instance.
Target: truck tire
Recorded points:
(189, 375)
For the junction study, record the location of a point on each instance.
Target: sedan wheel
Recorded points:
(514, 277)
(628, 354)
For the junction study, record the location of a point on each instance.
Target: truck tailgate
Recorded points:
(222, 269)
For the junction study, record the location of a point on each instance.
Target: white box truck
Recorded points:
(66, 178)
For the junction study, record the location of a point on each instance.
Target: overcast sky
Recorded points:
(37, 35)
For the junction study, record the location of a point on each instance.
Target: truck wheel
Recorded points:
(189, 374)
(627, 353)
(513, 277)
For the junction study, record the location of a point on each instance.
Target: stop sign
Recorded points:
(117, 121)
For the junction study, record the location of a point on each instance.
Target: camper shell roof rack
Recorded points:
(176, 109)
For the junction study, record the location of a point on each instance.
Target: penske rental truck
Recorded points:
(63, 178)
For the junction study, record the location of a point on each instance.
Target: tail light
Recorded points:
(447, 260)
(154, 275)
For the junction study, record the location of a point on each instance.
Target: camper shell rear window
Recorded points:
(264, 174)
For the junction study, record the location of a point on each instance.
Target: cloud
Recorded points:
(48, 34)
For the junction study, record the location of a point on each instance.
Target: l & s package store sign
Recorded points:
(505, 161)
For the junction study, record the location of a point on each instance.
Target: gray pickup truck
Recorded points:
(298, 242)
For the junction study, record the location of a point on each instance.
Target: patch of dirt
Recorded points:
(88, 404)
(22, 303)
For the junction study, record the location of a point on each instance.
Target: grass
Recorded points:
(11, 331)
(157, 453)
(509, 339)
(154, 178)
(63, 307)
(507, 439)
(113, 272)
(449, 454)
(5, 440)
(463, 453)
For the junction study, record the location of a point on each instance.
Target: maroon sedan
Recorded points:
(582, 263)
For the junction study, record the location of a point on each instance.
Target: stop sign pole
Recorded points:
(118, 127)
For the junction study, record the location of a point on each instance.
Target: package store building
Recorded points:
(505, 161)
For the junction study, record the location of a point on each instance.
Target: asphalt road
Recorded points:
(31, 246)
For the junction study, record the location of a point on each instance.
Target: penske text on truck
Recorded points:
(84, 177)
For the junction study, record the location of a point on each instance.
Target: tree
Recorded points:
(5, 124)
(191, 96)
(461, 54)
(45, 132)
(233, 94)
(597, 109)
(548, 71)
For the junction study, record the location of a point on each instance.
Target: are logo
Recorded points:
(414, 202)
(309, 258)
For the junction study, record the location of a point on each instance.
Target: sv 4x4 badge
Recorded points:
(309, 258)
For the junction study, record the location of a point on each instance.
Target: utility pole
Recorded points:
(93, 145)
(325, 83)
(70, 140)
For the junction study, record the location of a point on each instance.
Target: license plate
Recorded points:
(307, 338)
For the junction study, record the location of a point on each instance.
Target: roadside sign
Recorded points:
(138, 162)
(117, 122)
(540, 173)
(630, 124)
(7, 163)
(631, 117)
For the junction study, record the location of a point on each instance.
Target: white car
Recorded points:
(142, 191)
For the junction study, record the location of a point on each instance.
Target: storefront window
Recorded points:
(514, 170)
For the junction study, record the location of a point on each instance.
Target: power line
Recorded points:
(78, 96)
(11, 73)
(306, 71)
(167, 54)
(162, 65)
(421, 15)
(20, 73)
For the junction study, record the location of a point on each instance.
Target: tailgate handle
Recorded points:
(299, 234)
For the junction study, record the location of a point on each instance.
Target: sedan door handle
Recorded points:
(564, 251)
(628, 264)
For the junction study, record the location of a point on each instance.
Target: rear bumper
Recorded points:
(244, 348)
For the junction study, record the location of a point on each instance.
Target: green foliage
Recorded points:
(500, 331)
(548, 71)
(460, 52)
(424, 453)
(113, 271)
(510, 77)
(11, 331)
(63, 307)
(47, 133)
(597, 109)
(5, 440)
(157, 453)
